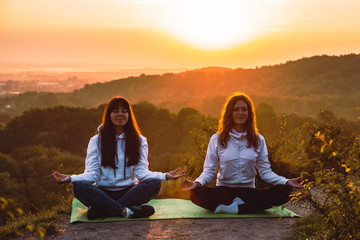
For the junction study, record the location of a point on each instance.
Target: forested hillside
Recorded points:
(303, 87)
(40, 141)
(43, 140)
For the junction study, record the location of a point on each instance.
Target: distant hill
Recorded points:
(304, 87)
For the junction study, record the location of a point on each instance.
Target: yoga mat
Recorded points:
(174, 208)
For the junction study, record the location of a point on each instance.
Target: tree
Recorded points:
(267, 120)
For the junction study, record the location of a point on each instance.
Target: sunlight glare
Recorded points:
(214, 24)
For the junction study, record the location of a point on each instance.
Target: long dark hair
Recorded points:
(226, 120)
(108, 139)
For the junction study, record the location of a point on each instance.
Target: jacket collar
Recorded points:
(237, 135)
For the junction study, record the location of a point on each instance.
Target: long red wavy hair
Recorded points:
(226, 120)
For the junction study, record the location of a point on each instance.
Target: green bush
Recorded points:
(334, 195)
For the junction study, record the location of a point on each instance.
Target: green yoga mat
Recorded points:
(177, 208)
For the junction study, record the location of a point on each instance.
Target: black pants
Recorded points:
(255, 199)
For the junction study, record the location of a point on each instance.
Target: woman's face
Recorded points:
(240, 115)
(119, 117)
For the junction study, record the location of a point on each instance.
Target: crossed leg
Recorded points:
(255, 199)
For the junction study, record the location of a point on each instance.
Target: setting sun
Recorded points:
(214, 25)
(175, 33)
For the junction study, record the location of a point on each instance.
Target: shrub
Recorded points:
(334, 195)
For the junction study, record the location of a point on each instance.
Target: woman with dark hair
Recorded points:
(116, 180)
(239, 151)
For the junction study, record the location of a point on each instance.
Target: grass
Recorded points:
(36, 224)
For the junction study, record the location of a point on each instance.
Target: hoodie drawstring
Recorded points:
(117, 161)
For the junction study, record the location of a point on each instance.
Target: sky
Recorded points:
(175, 33)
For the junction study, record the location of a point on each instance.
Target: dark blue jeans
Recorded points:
(114, 202)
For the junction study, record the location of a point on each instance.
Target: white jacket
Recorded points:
(105, 177)
(238, 163)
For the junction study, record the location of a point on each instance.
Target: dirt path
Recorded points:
(207, 229)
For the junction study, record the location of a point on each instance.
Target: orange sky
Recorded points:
(175, 33)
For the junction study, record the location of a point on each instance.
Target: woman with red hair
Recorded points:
(240, 152)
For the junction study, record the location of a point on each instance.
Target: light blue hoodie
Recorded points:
(106, 177)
